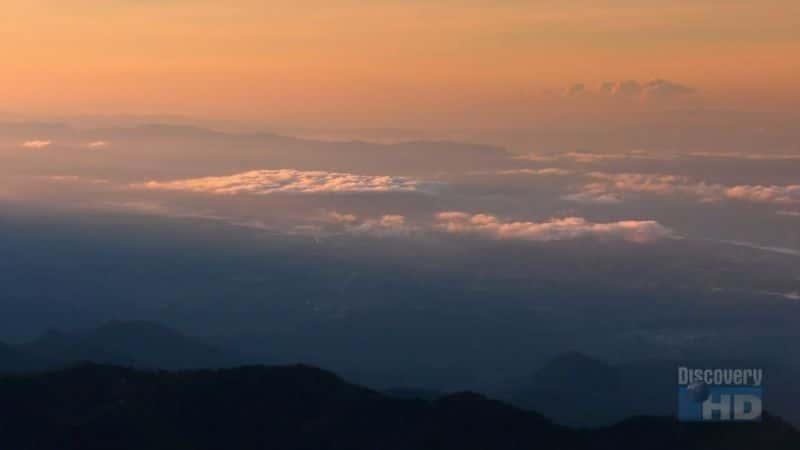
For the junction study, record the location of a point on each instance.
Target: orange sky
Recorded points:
(385, 62)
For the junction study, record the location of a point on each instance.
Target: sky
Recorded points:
(391, 63)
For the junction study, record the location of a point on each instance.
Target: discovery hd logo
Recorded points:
(719, 395)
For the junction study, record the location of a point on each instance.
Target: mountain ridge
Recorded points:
(129, 343)
(91, 406)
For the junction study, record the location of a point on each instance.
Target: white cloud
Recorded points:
(747, 156)
(36, 144)
(793, 295)
(488, 227)
(789, 213)
(594, 193)
(387, 225)
(548, 171)
(336, 223)
(63, 178)
(765, 194)
(336, 217)
(339, 224)
(614, 185)
(96, 145)
(539, 157)
(74, 179)
(491, 227)
(587, 158)
(264, 182)
(654, 183)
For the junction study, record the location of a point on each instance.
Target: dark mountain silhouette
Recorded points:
(579, 370)
(575, 389)
(647, 432)
(139, 344)
(90, 407)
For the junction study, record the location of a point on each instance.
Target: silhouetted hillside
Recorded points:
(658, 433)
(575, 389)
(139, 344)
(104, 407)
(578, 369)
(410, 393)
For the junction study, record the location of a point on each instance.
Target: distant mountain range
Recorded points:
(299, 407)
(124, 343)
(572, 389)
(154, 147)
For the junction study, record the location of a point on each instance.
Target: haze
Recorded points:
(357, 64)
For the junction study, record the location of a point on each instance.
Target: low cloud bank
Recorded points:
(611, 187)
(589, 158)
(486, 226)
(547, 171)
(265, 182)
(489, 226)
(36, 144)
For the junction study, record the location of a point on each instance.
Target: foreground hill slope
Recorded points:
(105, 407)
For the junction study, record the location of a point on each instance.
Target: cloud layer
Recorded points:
(483, 226)
(548, 171)
(265, 182)
(36, 144)
(610, 188)
(589, 158)
(491, 227)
